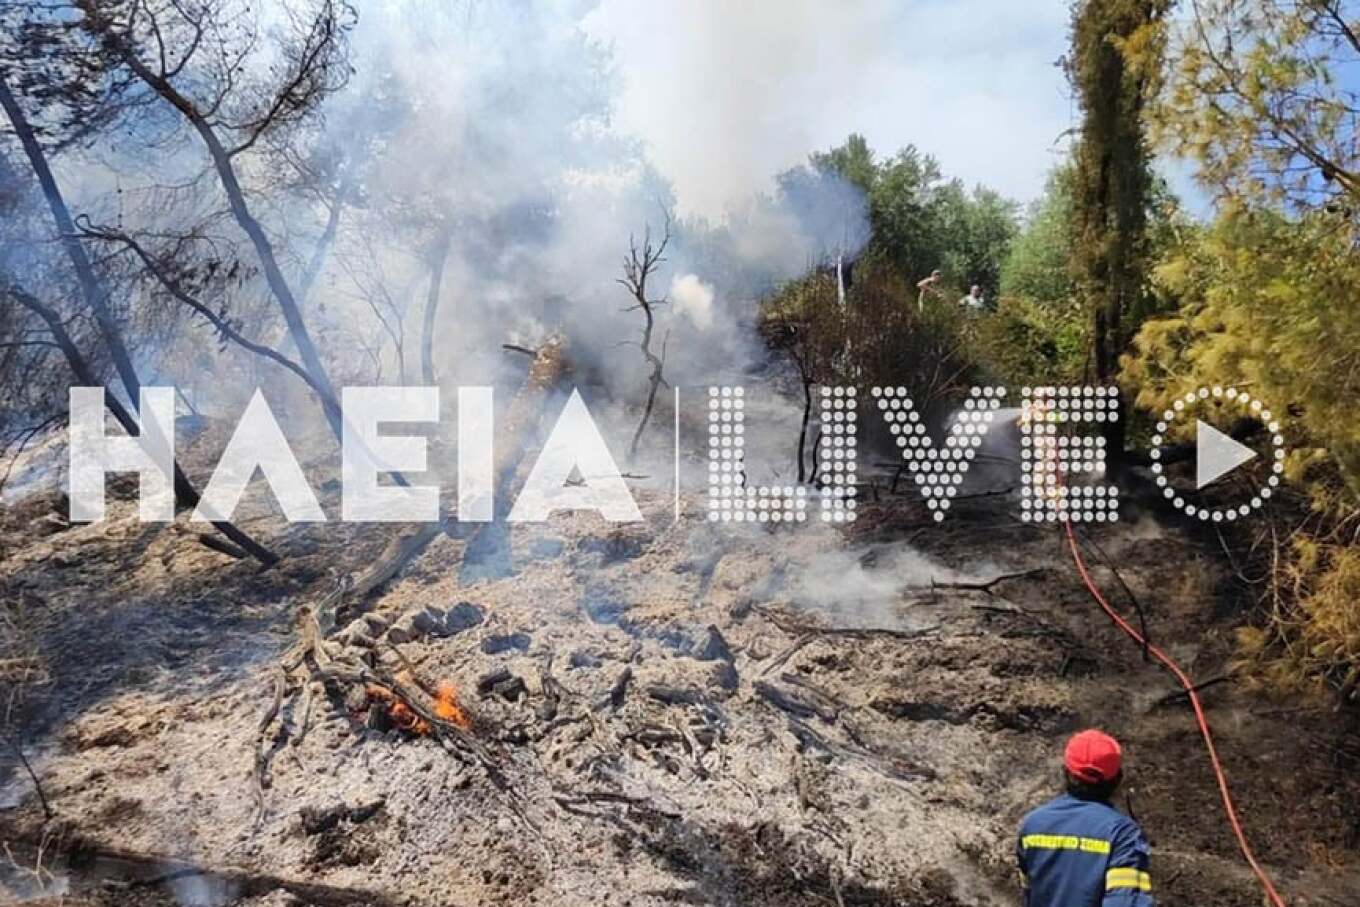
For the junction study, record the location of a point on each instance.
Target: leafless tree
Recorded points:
(372, 286)
(638, 268)
(804, 324)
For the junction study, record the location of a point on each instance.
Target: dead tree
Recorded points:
(439, 256)
(803, 324)
(638, 268)
(372, 286)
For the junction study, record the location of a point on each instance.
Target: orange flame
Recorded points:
(446, 706)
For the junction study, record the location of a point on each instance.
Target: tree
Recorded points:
(918, 220)
(1260, 98)
(96, 300)
(1112, 57)
(804, 324)
(639, 267)
(191, 59)
(1038, 264)
(1260, 295)
(871, 339)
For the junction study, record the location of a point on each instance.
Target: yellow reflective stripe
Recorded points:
(1128, 878)
(1065, 842)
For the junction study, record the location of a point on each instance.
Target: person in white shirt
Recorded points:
(973, 301)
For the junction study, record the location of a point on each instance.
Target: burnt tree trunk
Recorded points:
(638, 267)
(90, 288)
(439, 256)
(803, 429)
(654, 380)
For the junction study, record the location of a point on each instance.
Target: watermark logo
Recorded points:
(1062, 457)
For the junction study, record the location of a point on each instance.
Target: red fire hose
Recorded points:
(1170, 665)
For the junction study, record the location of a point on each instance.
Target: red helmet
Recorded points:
(1093, 756)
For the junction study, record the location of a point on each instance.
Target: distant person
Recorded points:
(973, 301)
(931, 286)
(1078, 850)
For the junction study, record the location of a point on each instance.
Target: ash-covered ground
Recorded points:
(677, 713)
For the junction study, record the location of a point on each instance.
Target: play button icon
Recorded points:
(1216, 454)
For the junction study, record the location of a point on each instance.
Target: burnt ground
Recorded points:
(680, 713)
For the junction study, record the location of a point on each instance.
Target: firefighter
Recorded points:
(1077, 850)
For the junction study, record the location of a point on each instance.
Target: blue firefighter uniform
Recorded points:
(1083, 853)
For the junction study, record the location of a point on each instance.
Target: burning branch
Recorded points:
(446, 707)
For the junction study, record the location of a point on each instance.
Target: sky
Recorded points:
(726, 94)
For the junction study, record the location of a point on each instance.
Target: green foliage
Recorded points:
(1039, 331)
(1260, 96)
(1039, 264)
(922, 222)
(1112, 178)
(1028, 342)
(1266, 304)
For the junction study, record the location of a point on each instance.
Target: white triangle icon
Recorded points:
(1216, 454)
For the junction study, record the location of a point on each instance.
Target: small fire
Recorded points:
(446, 708)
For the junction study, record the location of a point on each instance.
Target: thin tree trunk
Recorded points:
(655, 380)
(323, 243)
(439, 257)
(185, 492)
(66, 229)
(317, 261)
(803, 429)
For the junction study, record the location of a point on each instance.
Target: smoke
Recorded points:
(498, 122)
(479, 142)
(729, 94)
(868, 587)
(693, 299)
(495, 124)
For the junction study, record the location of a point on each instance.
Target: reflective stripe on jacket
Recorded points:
(1080, 853)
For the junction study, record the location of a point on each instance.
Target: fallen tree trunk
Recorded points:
(549, 367)
(118, 868)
